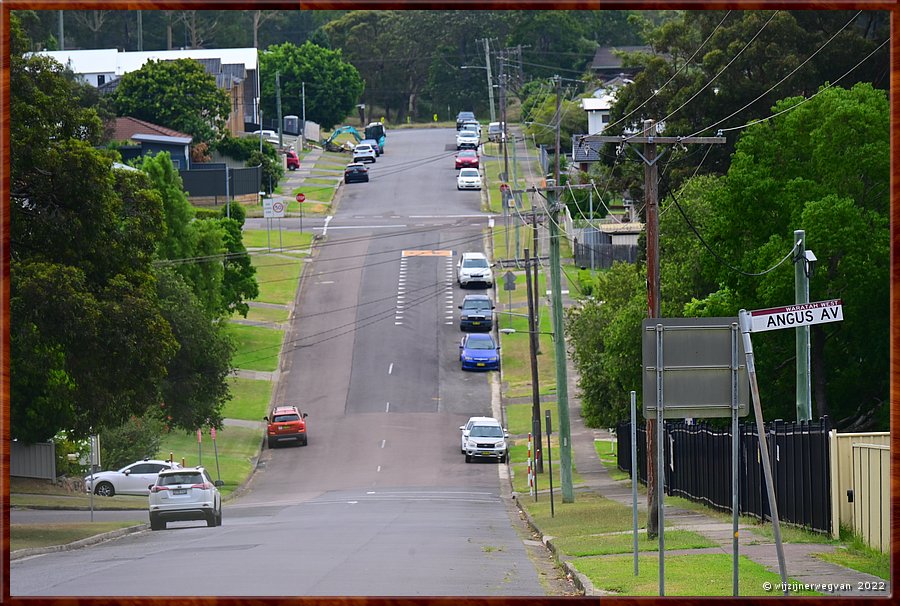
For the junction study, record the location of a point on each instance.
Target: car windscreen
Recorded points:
(486, 431)
(172, 479)
(285, 418)
(468, 172)
(479, 344)
(475, 263)
(477, 305)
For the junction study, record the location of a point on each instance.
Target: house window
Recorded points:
(604, 118)
(176, 163)
(101, 80)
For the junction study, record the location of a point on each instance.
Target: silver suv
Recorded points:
(486, 439)
(474, 267)
(185, 494)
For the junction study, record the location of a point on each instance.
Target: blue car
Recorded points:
(478, 351)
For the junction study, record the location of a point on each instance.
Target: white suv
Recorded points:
(364, 153)
(486, 439)
(474, 267)
(185, 494)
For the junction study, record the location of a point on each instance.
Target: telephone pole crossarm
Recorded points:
(667, 140)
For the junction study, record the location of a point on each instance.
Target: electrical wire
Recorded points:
(774, 86)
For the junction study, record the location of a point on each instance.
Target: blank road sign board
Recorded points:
(697, 368)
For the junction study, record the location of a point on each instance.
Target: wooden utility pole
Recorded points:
(535, 391)
(651, 205)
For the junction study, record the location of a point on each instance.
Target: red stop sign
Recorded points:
(504, 187)
(301, 197)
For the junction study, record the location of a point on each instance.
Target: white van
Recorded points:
(474, 267)
(495, 131)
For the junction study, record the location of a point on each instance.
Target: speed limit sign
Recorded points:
(278, 208)
(301, 197)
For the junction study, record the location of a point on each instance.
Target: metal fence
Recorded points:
(211, 181)
(32, 460)
(698, 467)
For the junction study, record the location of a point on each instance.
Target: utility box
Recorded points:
(292, 125)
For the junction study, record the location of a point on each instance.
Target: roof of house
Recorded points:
(111, 61)
(162, 139)
(585, 151)
(127, 127)
(605, 58)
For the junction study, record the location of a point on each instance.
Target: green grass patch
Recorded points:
(590, 514)
(277, 277)
(858, 556)
(316, 181)
(249, 401)
(606, 452)
(265, 314)
(520, 477)
(610, 544)
(516, 359)
(257, 347)
(518, 417)
(77, 501)
(685, 575)
(237, 446)
(25, 536)
(261, 238)
(318, 193)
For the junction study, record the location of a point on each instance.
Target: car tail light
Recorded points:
(203, 486)
(159, 488)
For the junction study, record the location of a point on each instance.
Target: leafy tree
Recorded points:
(137, 438)
(543, 125)
(195, 387)
(333, 86)
(238, 283)
(178, 94)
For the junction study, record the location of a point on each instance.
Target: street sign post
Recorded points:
(301, 198)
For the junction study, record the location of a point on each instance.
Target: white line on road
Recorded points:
(387, 408)
(379, 469)
(391, 226)
(383, 443)
(391, 368)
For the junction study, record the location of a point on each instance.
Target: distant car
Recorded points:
(131, 479)
(495, 132)
(467, 158)
(363, 152)
(476, 313)
(467, 139)
(462, 117)
(185, 494)
(374, 145)
(471, 125)
(478, 351)
(356, 173)
(473, 267)
(287, 424)
(293, 160)
(468, 178)
(464, 429)
(487, 439)
(269, 135)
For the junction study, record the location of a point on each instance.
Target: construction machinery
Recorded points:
(330, 145)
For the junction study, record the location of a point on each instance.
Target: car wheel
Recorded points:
(219, 516)
(468, 458)
(211, 519)
(156, 524)
(271, 443)
(305, 441)
(105, 489)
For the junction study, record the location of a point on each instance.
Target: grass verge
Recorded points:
(249, 401)
(258, 348)
(277, 276)
(24, 536)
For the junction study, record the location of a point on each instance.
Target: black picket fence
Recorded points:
(698, 467)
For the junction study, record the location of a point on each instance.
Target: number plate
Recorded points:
(476, 323)
(479, 364)
(180, 491)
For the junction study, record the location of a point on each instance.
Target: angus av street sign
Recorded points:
(792, 316)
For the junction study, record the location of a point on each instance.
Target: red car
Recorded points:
(293, 161)
(286, 423)
(467, 158)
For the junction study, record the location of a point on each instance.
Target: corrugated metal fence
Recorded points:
(210, 180)
(698, 467)
(594, 249)
(32, 460)
(843, 469)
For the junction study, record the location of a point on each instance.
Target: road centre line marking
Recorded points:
(391, 368)
(387, 408)
(379, 469)
(383, 442)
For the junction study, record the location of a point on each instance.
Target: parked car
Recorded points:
(495, 132)
(478, 351)
(185, 494)
(131, 479)
(462, 117)
(468, 178)
(467, 139)
(374, 145)
(477, 313)
(363, 152)
(356, 172)
(473, 267)
(287, 424)
(467, 158)
(293, 160)
(464, 430)
(487, 439)
(473, 125)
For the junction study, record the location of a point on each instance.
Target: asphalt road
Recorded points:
(381, 501)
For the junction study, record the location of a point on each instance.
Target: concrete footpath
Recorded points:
(801, 563)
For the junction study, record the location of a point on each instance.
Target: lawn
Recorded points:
(685, 575)
(516, 359)
(257, 348)
(250, 399)
(277, 277)
(22, 536)
(607, 453)
(260, 238)
(520, 479)
(265, 314)
(616, 543)
(237, 448)
(518, 417)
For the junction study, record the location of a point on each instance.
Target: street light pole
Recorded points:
(490, 79)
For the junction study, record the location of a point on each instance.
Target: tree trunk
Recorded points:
(256, 29)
